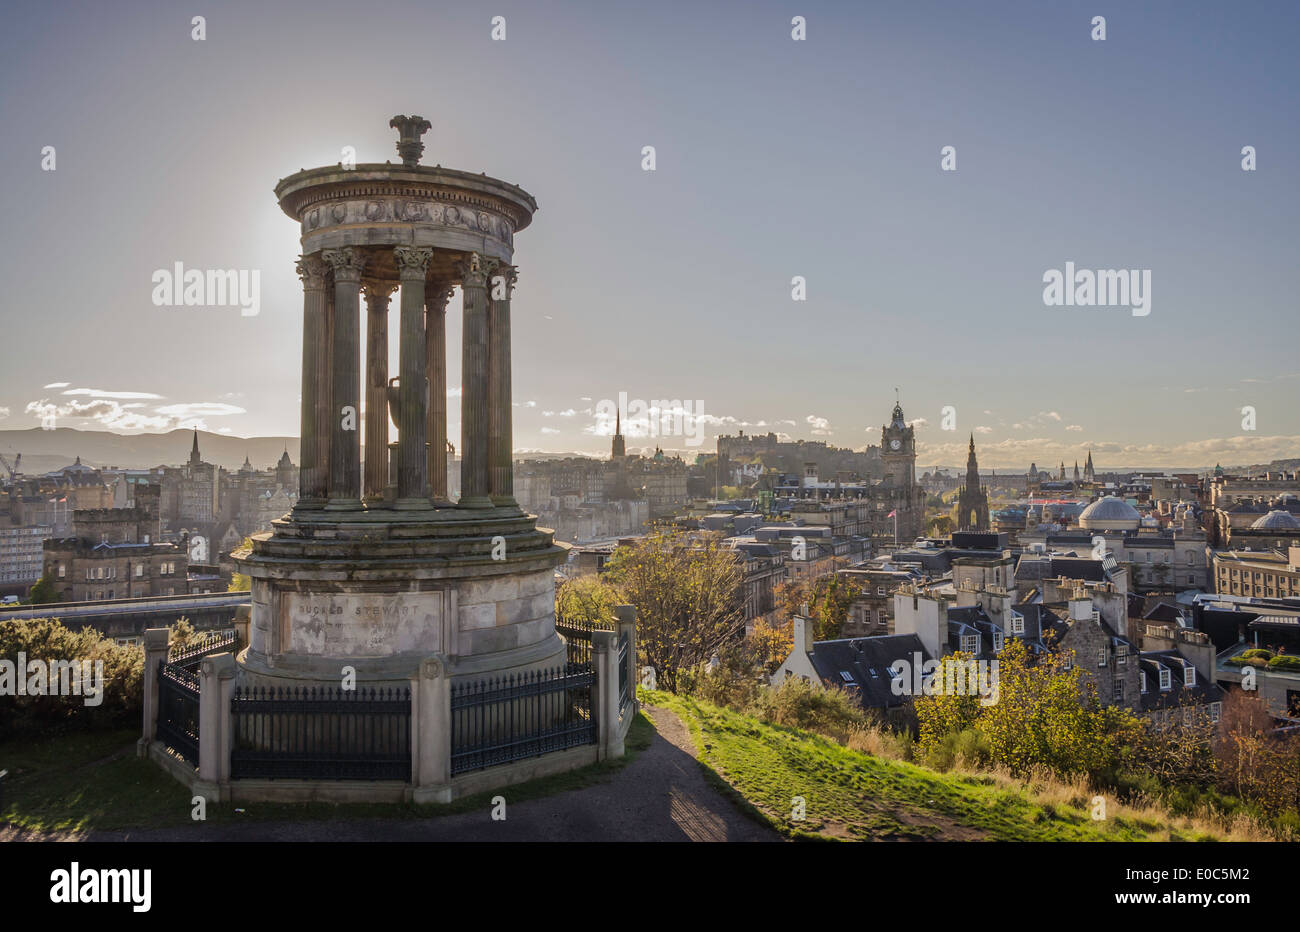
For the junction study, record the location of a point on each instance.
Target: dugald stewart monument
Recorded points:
(375, 567)
(400, 645)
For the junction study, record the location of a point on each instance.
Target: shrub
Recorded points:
(44, 640)
(967, 749)
(1257, 652)
(796, 704)
(1284, 663)
(47, 639)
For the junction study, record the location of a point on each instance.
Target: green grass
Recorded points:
(91, 781)
(851, 795)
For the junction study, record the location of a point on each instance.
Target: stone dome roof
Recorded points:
(1277, 520)
(1110, 513)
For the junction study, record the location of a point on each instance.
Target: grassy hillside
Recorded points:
(851, 795)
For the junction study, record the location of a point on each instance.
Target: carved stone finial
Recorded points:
(410, 129)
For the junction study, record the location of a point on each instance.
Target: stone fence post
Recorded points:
(155, 652)
(216, 686)
(626, 615)
(243, 617)
(431, 731)
(604, 699)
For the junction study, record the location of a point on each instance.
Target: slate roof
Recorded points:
(866, 661)
(1205, 691)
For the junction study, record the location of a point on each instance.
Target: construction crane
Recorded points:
(13, 470)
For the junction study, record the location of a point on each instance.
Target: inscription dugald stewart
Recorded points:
(364, 624)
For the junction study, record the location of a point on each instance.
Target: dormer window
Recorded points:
(997, 640)
(1017, 623)
(1164, 679)
(970, 643)
(1189, 675)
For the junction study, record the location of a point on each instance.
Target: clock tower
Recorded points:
(898, 452)
(900, 501)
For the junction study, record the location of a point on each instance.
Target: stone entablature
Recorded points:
(393, 205)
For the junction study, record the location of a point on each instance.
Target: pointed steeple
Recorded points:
(618, 448)
(195, 459)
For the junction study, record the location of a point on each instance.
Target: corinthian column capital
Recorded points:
(377, 292)
(436, 296)
(412, 261)
(475, 268)
(347, 263)
(312, 271)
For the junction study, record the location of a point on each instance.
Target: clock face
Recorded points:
(895, 444)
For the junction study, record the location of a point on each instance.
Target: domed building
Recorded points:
(1110, 514)
(1277, 520)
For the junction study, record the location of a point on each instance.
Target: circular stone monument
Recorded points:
(375, 568)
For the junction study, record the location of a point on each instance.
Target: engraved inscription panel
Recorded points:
(364, 624)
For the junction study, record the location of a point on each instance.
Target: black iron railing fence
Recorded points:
(509, 718)
(323, 733)
(624, 686)
(178, 710)
(577, 637)
(193, 654)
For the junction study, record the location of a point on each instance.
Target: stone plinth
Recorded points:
(379, 594)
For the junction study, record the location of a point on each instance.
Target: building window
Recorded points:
(62, 570)
(997, 640)
(139, 569)
(1142, 674)
(1216, 708)
(1189, 674)
(1069, 660)
(1164, 679)
(1017, 623)
(1101, 656)
(970, 643)
(1117, 689)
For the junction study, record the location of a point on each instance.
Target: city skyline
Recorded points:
(677, 283)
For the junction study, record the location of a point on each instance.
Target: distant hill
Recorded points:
(46, 450)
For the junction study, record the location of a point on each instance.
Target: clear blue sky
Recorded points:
(775, 158)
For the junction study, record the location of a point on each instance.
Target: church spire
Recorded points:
(619, 447)
(195, 459)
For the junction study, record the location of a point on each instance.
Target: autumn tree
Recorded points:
(587, 600)
(1047, 714)
(772, 643)
(687, 597)
(828, 600)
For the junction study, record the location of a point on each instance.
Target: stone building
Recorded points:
(115, 554)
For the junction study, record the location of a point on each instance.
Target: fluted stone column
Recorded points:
(345, 436)
(436, 297)
(413, 394)
(376, 471)
(501, 452)
(313, 449)
(474, 424)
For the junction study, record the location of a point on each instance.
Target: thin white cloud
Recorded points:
(101, 393)
(57, 385)
(821, 427)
